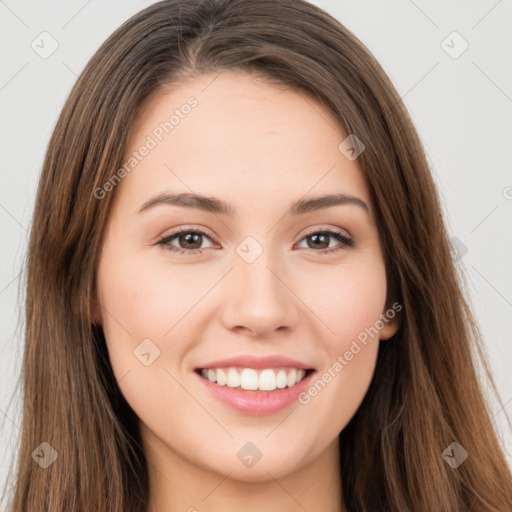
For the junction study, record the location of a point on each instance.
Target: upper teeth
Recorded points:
(248, 378)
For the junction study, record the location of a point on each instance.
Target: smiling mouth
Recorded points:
(251, 379)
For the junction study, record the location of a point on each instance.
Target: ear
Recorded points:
(391, 318)
(96, 314)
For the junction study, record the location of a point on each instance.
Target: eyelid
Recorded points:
(186, 229)
(317, 229)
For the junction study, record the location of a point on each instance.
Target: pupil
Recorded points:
(189, 237)
(317, 237)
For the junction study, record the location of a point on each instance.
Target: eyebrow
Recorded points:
(218, 206)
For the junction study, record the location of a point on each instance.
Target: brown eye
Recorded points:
(189, 241)
(321, 240)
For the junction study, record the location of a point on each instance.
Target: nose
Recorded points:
(260, 298)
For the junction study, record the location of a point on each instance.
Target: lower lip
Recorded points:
(257, 403)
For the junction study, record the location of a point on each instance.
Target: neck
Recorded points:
(177, 484)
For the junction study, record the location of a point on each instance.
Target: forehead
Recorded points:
(233, 136)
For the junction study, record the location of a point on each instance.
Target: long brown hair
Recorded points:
(425, 393)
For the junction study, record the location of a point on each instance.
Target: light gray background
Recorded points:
(461, 106)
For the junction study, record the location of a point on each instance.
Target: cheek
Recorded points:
(350, 304)
(348, 300)
(141, 303)
(137, 306)
(144, 297)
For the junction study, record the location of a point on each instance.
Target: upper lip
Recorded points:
(248, 361)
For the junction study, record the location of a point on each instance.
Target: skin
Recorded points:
(259, 147)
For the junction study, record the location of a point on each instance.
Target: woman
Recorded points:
(256, 367)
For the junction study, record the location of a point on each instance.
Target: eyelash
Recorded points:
(346, 241)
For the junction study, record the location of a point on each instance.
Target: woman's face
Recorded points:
(261, 281)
